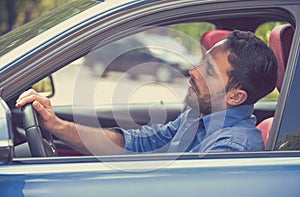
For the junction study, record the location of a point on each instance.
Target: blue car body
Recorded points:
(274, 172)
(184, 177)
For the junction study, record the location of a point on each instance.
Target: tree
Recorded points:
(8, 16)
(291, 142)
(19, 12)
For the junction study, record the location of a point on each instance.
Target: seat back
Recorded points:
(210, 38)
(265, 127)
(280, 42)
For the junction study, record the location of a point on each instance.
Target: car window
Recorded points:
(35, 27)
(147, 67)
(153, 61)
(289, 136)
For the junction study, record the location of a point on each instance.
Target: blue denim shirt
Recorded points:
(229, 130)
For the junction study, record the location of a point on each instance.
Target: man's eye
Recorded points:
(209, 72)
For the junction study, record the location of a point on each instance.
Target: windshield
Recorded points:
(24, 33)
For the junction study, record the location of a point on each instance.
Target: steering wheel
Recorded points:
(40, 141)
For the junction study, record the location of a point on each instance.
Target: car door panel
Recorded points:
(112, 176)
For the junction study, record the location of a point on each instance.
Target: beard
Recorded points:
(207, 103)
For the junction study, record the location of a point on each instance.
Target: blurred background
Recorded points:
(15, 13)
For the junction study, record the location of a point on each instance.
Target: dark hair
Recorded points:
(254, 66)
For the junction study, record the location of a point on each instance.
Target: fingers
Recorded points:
(30, 96)
(27, 93)
(46, 115)
(42, 105)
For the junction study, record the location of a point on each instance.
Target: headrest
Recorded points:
(210, 38)
(280, 42)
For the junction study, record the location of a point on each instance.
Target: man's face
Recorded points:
(208, 81)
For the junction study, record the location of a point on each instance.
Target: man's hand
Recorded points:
(101, 141)
(42, 105)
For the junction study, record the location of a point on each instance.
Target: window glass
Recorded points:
(142, 64)
(148, 67)
(35, 27)
(264, 30)
(289, 131)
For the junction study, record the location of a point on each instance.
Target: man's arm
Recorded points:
(84, 139)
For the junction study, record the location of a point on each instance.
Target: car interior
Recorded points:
(280, 41)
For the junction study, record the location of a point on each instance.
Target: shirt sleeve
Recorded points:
(237, 139)
(226, 145)
(151, 139)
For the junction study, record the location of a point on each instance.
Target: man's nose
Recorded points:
(195, 72)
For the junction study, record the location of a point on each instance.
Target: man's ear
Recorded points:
(236, 97)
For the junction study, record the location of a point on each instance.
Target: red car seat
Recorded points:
(280, 42)
(210, 38)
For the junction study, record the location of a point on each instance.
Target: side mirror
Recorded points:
(6, 134)
(45, 87)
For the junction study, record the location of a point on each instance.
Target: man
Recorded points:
(234, 74)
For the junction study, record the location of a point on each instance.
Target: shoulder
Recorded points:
(248, 137)
(235, 138)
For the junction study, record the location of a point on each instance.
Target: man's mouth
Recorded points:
(191, 90)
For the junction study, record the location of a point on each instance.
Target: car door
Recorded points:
(124, 102)
(181, 174)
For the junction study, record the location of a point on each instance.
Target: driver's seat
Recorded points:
(280, 42)
(210, 38)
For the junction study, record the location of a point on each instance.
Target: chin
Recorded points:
(192, 104)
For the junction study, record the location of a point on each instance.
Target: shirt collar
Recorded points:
(226, 118)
